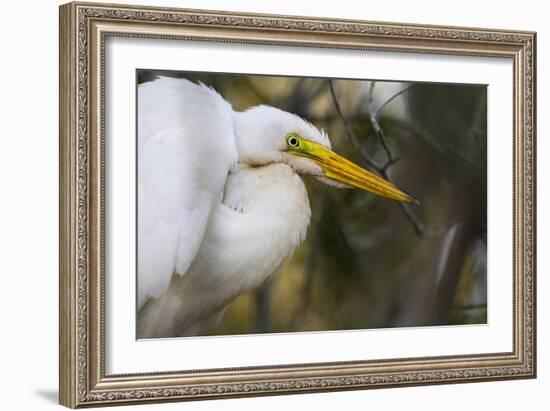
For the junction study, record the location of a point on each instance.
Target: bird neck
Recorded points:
(264, 217)
(257, 134)
(274, 189)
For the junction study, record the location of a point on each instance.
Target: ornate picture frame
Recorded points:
(84, 29)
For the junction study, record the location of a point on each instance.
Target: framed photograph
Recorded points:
(259, 204)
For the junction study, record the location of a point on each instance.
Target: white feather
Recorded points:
(220, 202)
(186, 147)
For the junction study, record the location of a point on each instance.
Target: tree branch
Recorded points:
(377, 129)
(388, 101)
(419, 227)
(349, 131)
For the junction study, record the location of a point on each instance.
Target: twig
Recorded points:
(390, 163)
(388, 101)
(419, 228)
(349, 131)
(376, 126)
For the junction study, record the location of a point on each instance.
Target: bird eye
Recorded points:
(293, 141)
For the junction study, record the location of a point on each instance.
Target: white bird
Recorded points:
(220, 200)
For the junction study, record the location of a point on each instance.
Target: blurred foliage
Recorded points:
(363, 265)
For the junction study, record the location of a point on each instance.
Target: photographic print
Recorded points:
(291, 204)
(338, 204)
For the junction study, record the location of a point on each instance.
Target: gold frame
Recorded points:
(83, 30)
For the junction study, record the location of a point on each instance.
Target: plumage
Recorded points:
(220, 200)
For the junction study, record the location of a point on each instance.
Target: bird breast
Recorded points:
(263, 217)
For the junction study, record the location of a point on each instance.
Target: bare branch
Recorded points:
(376, 126)
(390, 163)
(388, 101)
(419, 228)
(349, 131)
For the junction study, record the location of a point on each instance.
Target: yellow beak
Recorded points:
(344, 171)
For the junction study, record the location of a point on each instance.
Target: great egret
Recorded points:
(220, 200)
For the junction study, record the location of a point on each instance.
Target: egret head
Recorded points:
(268, 135)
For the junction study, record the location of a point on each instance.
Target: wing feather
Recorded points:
(186, 146)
